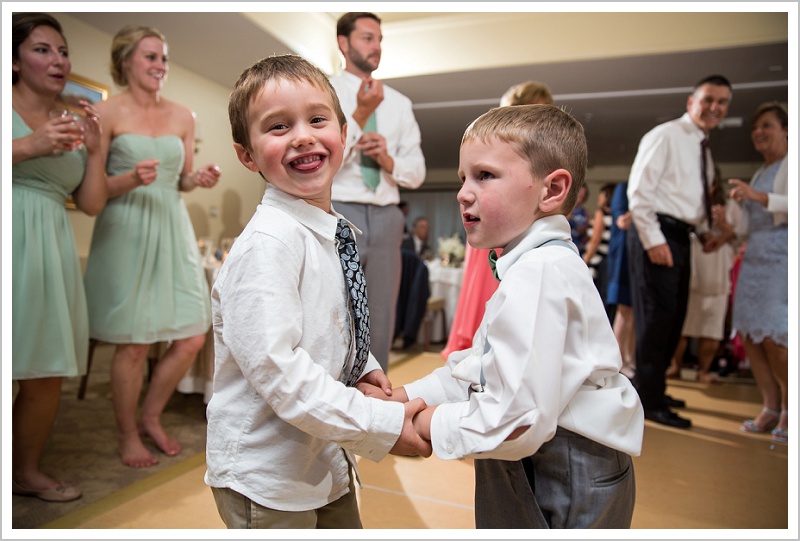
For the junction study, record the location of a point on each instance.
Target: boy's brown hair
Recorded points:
(288, 67)
(545, 135)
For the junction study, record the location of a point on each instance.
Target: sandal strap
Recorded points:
(773, 412)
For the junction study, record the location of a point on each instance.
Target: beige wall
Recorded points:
(218, 212)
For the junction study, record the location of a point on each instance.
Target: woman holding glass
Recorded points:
(53, 157)
(760, 306)
(144, 279)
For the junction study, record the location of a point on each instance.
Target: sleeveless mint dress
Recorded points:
(144, 279)
(50, 326)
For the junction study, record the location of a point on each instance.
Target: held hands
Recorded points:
(375, 384)
(410, 443)
(207, 176)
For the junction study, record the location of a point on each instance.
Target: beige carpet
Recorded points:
(708, 478)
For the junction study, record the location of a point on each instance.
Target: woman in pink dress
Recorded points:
(479, 284)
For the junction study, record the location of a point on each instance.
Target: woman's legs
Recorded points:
(127, 371)
(766, 382)
(626, 338)
(33, 415)
(168, 372)
(706, 350)
(674, 370)
(778, 358)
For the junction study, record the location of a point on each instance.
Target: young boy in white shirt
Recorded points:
(285, 418)
(538, 401)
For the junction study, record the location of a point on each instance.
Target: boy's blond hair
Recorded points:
(288, 67)
(545, 135)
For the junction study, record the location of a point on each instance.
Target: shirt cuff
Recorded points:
(383, 431)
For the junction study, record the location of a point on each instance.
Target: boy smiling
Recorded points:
(282, 424)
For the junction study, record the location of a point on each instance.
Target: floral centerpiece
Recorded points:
(451, 251)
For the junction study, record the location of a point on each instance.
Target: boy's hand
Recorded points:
(378, 379)
(410, 443)
(422, 423)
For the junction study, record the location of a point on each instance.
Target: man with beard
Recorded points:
(383, 152)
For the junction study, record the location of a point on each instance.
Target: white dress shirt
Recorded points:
(665, 178)
(544, 356)
(397, 124)
(280, 418)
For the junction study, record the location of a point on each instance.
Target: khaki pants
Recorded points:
(240, 512)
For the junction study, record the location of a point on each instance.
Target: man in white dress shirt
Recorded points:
(666, 194)
(383, 152)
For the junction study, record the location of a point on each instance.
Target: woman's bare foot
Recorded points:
(705, 377)
(169, 446)
(674, 372)
(133, 453)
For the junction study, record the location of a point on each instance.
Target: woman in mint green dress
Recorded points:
(52, 157)
(144, 279)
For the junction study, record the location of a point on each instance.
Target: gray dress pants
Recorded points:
(570, 482)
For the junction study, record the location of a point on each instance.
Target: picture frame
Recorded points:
(83, 87)
(78, 87)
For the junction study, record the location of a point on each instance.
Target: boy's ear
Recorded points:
(344, 135)
(555, 189)
(245, 157)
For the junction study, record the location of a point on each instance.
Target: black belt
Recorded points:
(674, 223)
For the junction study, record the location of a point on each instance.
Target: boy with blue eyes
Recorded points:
(538, 401)
(285, 418)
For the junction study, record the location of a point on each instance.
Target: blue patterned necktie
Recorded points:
(357, 295)
(370, 170)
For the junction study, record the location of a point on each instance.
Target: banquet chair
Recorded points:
(434, 307)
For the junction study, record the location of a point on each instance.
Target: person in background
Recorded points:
(668, 197)
(144, 279)
(597, 247)
(538, 400)
(709, 290)
(52, 158)
(383, 153)
(710, 287)
(292, 340)
(760, 306)
(478, 283)
(618, 291)
(579, 221)
(417, 241)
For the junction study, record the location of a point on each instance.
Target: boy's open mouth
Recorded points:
(307, 163)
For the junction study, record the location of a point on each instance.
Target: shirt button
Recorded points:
(449, 448)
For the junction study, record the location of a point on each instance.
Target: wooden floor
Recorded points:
(709, 478)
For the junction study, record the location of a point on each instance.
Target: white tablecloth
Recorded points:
(445, 282)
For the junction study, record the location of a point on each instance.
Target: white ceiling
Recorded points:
(618, 73)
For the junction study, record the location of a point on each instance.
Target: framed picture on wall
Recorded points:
(77, 88)
(85, 88)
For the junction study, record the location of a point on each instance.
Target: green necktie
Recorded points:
(370, 169)
(493, 264)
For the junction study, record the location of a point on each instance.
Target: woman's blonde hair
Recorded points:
(124, 44)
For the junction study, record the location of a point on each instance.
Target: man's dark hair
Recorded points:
(718, 80)
(347, 22)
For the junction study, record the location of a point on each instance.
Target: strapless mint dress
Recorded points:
(144, 278)
(50, 327)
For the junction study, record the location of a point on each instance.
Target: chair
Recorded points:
(434, 307)
(152, 358)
